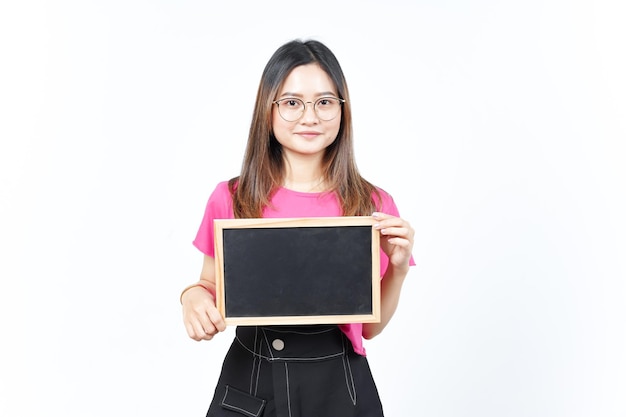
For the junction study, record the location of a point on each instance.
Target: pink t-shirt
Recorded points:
(286, 204)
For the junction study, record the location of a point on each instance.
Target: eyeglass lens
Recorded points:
(292, 109)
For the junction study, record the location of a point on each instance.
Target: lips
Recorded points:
(308, 134)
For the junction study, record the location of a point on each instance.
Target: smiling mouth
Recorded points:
(308, 134)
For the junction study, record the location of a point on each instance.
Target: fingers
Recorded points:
(394, 227)
(398, 237)
(217, 320)
(197, 332)
(202, 321)
(202, 329)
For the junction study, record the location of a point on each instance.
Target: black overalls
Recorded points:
(294, 371)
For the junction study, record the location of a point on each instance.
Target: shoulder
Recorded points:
(382, 196)
(221, 190)
(219, 193)
(220, 200)
(384, 201)
(222, 187)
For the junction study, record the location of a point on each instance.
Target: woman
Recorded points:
(299, 162)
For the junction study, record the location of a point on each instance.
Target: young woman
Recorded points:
(299, 162)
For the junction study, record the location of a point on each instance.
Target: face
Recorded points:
(309, 135)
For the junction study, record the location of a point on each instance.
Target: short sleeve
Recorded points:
(219, 206)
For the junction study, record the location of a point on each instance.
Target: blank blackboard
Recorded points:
(298, 271)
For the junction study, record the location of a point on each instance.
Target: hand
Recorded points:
(396, 238)
(202, 319)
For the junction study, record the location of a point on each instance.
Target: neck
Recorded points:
(316, 185)
(304, 176)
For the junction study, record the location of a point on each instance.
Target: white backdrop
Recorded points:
(498, 127)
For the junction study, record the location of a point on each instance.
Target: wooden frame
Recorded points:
(297, 271)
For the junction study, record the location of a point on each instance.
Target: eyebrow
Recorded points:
(298, 95)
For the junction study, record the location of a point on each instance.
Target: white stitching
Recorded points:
(254, 360)
(244, 411)
(288, 395)
(346, 372)
(267, 343)
(346, 362)
(258, 375)
(349, 378)
(286, 358)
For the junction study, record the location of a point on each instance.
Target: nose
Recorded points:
(309, 115)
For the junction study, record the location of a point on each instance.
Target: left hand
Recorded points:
(396, 238)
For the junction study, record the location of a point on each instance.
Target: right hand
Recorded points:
(201, 317)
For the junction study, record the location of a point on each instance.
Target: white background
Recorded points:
(498, 126)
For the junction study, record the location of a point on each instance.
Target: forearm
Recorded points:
(201, 285)
(207, 278)
(390, 289)
(201, 317)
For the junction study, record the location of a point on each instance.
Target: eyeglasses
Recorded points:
(291, 109)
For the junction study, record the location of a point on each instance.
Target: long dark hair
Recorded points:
(262, 171)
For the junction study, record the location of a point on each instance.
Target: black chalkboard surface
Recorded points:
(298, 271)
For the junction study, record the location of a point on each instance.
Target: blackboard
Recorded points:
(297, 271)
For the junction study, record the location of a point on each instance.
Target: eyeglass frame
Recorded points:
(277, 102)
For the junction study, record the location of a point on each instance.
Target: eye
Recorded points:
(326, 102)
(290, 102)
